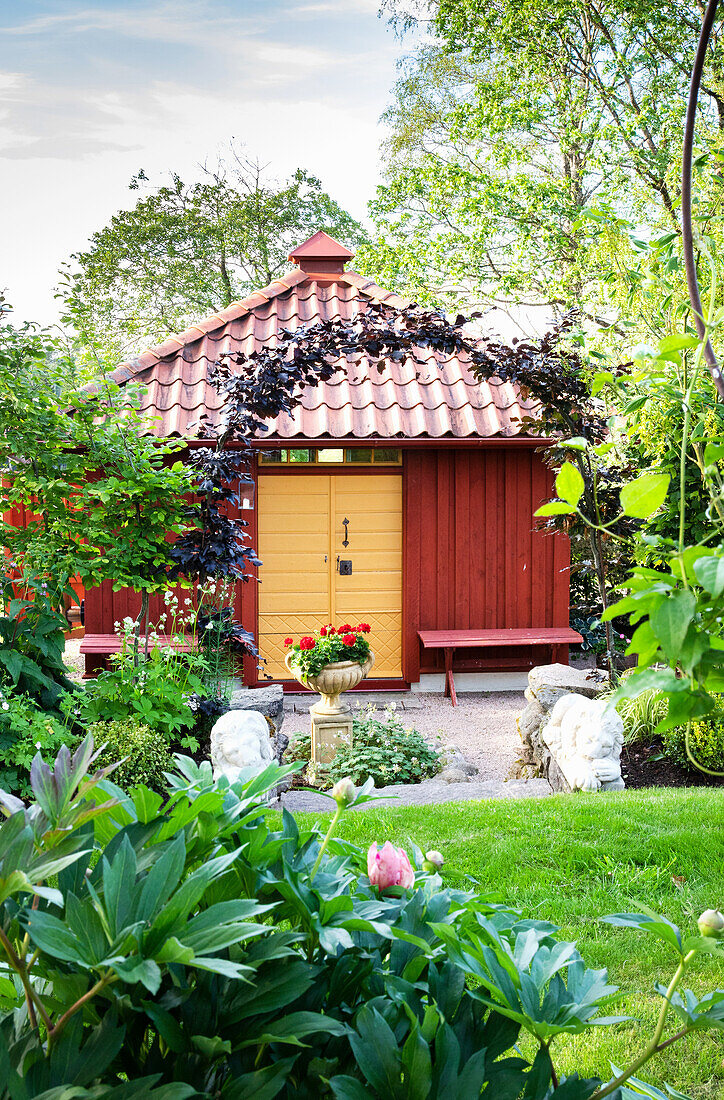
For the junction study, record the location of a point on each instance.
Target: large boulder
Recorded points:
(268, 701)
(549, 683)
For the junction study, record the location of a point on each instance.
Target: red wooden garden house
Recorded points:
(403, 498)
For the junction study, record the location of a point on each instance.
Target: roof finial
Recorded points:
(321, 255)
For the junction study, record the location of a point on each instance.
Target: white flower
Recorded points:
(38, 744)
(6, 706)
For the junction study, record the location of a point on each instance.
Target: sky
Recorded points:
(91, 92)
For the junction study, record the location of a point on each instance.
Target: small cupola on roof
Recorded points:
(321, 257)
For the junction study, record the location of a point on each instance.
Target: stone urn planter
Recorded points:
(331, 716)
(332, 681)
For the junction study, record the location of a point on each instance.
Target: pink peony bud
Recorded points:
(389, 866)
(434, 859)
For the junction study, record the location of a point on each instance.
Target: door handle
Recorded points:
(345, 540)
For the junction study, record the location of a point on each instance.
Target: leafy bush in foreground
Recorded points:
(177, 946)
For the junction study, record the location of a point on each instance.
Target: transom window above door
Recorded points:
(333, 456)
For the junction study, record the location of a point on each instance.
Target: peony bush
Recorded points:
(159, 946)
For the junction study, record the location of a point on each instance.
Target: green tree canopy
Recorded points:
(186, 250)
(519, 135)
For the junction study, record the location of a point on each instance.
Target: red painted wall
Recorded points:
(472, 557)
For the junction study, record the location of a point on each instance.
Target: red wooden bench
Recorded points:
(97, 648)
(555, 638)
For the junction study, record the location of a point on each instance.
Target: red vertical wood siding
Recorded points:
(472, 554)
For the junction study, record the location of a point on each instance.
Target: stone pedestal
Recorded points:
(328, 729)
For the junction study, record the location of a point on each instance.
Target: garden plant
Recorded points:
(381, 749)
(179, 945)
(328, 645)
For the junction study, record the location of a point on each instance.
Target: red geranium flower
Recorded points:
(288, 642)
(331, 630)
(345, 629)
(323, 631)
(364, 628)
(306, 643)
(349, 639)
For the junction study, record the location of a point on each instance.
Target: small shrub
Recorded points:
(383, 749)
(706, 742)
(144, 753)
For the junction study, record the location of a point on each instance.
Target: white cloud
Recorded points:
(93, 92)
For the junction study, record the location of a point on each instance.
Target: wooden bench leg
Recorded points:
(559, 656)
(449, 681)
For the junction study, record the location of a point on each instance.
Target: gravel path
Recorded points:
(482, 725)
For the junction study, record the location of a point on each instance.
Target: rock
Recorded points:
(529, 722)
(268, 701)
(240, 741)
(452, 758)
(585, 740)
(549, 683)
(452, 774)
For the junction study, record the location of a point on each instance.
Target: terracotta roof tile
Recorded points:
(435, 398)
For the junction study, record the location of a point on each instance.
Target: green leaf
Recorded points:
(713, 453)
(264, 1084)
(671, 619)
(709, 571)
(569, 483)
(677, 342)
(349, 1088)
(555, 508)
(641, 497)
(651, 923)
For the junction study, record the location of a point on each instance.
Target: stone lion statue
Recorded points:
(585, 737)
(240, 740)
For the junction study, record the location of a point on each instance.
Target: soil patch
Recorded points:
(644, 766)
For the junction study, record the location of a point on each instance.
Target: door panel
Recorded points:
(373, 593)
(294, 580)
(300, 521)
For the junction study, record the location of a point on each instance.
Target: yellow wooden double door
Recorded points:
(304, 582)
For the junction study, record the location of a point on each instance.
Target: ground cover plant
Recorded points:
(382, 749)
(573, 860)
(181, 939)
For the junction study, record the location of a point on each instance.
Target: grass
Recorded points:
(572, 859)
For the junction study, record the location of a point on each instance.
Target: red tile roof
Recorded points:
(441, 399)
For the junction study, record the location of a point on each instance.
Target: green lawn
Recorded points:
(574, 858)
